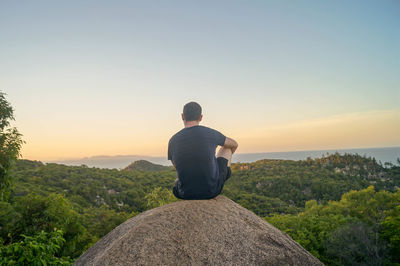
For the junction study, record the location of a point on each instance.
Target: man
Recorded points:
(201, 174)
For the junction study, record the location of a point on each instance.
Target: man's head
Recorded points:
(192, 112)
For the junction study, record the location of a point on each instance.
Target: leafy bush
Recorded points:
(39, 249)
(158, 197)
(361, 228)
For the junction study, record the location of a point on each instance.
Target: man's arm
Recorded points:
(230, 144)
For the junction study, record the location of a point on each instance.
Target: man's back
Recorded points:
(192, 150)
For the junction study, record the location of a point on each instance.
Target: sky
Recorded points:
(91, 78)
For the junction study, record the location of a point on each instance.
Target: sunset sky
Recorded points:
(111, 77)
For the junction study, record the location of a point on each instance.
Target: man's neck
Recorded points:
(191, 123)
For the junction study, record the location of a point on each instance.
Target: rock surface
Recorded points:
(197, 232)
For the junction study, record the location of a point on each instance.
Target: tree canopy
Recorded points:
(10, 145)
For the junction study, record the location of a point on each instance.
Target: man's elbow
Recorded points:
(231, 144)
(235, 144)
(235, 147)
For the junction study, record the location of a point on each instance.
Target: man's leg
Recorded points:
(225, 153)
(224, 157)
(175, 189)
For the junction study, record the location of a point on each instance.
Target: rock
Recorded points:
(198, 232)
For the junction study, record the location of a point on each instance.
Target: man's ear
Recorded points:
(201, 117)
(183, 117)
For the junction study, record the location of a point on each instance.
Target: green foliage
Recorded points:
(39, 249)
(143, 165)
(364, 223)
(100, 221)
(265, 187)
(302, 198)
(90, 187)
(35, 213)
(391, 229)
(44, 213)
(309, 228)
(158, 197)
(8, 218)
(10, 145)
(295, 182)
(86, 203)
(355, 244)
(261, 205)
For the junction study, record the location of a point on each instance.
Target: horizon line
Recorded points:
(159, 156)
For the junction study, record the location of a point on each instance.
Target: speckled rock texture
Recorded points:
(197, 232)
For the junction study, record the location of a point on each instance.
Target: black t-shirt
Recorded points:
(192, 150)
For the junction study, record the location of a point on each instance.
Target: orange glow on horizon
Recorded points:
(356, 130)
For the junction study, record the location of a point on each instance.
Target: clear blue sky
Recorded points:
(111, 77)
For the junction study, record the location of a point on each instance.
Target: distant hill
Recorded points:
(117, 161)
(143, 165)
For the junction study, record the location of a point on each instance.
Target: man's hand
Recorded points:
(230, 144)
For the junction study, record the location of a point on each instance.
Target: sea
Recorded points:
(382, 154)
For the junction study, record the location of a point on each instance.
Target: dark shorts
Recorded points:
(224, 174)
(224, 170)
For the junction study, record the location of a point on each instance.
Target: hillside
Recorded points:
(265, 187)
(119, 190)
(284, 186)
(87, 203)
(143, 165)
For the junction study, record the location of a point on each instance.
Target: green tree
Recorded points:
(355, 244)
(158, 197)
(311, 227)
(391, 229)
(100, 221)
(361, 228)
(37, 213)
(10, 145)
(39, 249)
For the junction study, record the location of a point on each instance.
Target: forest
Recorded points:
(344, 209)
(316, 201)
